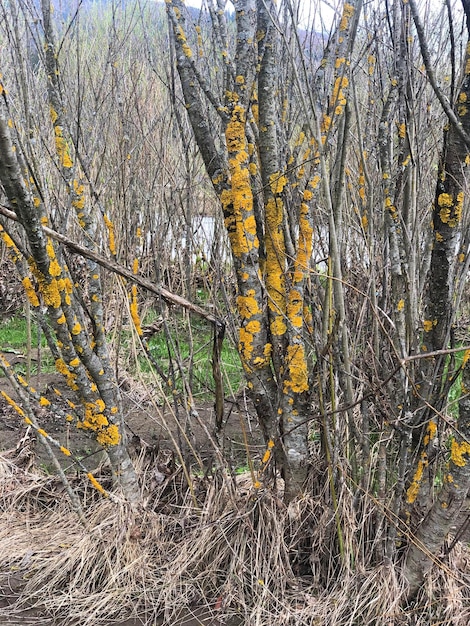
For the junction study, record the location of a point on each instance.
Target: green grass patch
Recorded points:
(181, 349)
(13, 341)
(187, 351)
(13, 335)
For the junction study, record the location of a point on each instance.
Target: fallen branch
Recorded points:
(123, 271)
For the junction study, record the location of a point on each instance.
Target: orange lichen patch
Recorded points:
(247, 305)
(315, 181)
(266, 457)
(111, 234)
(93, 418)
(246, 336)
(53, 114)
(297, 382)
(325, 123)
(44, 401)
(65, 451)
(78, 187)
(134, 310)
(277, 182)
(50, 292)
(109, 436)
(466, 357)
(458, 451)
(62, 368)
(54, 267)
(300, 139)
(96, 484)
(275, 265)
(338, 98)
(304, 247)
(295, 308)
(8, 241)
(260, 361)
(30, 291)
(253, 168)
(450, 210)
(62, 148)
(401, 305)
(79, 203)
(12, 403)
(428, 325)
(431, 432)
(413, 489)
(76, 329)
(238, 201)
(348, 12)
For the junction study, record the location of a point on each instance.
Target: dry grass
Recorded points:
(235, 551)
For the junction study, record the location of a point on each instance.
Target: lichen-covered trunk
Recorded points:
(248, 173)
(447, 220)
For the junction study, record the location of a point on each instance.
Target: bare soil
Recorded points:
(148, 423)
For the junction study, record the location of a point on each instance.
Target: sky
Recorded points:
(323, 10)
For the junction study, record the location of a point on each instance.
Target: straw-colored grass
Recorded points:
(233, 551)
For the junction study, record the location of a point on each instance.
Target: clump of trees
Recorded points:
(338, 160)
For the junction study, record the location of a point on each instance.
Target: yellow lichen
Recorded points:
(96, 484)
(247, 305)
(30, 291)
(109, 436)
(295, 308)
(266, 457)
(277, 182)
(348, 12)
(134, 310)
(62, 148)
(297, 381)
(237, 201)
(111, 234)
(458, 451)
(413, 489)
(246, 336)
(12, 403)
(428, 325)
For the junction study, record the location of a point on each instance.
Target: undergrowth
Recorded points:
(222, 546)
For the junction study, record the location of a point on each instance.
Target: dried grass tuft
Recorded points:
(233, 552)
